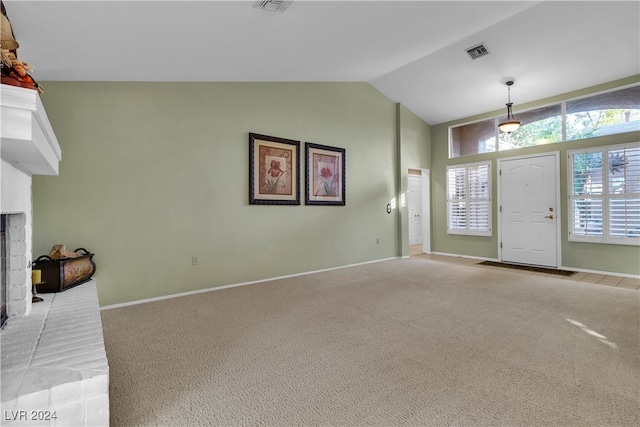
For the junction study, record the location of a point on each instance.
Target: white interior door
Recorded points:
(414, 196)
(529, 210)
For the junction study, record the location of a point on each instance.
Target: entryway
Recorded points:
(419, 209)
(528, 204)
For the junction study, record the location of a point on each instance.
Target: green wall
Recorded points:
(588, 256)
(153, 174)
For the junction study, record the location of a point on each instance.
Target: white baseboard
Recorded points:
(235, 285)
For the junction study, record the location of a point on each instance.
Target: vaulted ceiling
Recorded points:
(413, 51)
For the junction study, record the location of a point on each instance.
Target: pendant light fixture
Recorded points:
(511, 124)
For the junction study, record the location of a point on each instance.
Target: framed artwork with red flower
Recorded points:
(325, 175)
(274, 169)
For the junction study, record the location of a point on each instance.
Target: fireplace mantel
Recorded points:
(27, 138)
(53, 357)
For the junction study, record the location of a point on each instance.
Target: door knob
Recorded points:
(549, 216)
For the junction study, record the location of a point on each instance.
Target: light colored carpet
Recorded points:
(401, 342)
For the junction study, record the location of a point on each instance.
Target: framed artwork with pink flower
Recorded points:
(325, 175)
(274, 169)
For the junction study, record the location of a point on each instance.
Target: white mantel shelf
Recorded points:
(27, 138)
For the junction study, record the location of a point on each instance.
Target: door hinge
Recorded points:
(500, 245)
(500, 208)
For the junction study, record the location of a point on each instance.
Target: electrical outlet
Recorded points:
(194, 260)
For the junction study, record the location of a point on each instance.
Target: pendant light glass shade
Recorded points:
(511, 124)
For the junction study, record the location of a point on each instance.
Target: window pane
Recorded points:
(457, 215)
(587, 173)
(478, 216)
(539, 127)
(473, 138)
(457, 181)
(587, 217)
(604, 114)
(624, 218)
(624, 171)
(478, 182)
(457, 178)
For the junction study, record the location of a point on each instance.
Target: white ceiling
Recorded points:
(413, 52)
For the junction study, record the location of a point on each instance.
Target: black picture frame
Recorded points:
(325, 175)
(274, 170)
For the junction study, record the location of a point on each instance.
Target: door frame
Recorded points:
(426, 209)
(556, 155)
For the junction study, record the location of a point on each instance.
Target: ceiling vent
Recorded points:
(478, 51)
(273, 5)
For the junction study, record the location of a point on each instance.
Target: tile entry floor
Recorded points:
(601, 279)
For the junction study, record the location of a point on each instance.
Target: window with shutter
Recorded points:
(469, 199)
(604, 185)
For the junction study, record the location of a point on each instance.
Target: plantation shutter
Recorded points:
(479, 198)
(457, 190)
(468, 199)
(605, 194)
(624, 193)
(587, 195)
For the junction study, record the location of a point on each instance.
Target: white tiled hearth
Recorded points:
(54, 363)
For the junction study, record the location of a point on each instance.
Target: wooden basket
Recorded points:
(61, 274)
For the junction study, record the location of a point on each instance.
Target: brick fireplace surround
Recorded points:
(54, 365)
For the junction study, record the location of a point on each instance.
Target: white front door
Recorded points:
(529, 210)
(414, 195)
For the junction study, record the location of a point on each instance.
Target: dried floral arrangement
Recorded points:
(14, 71)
